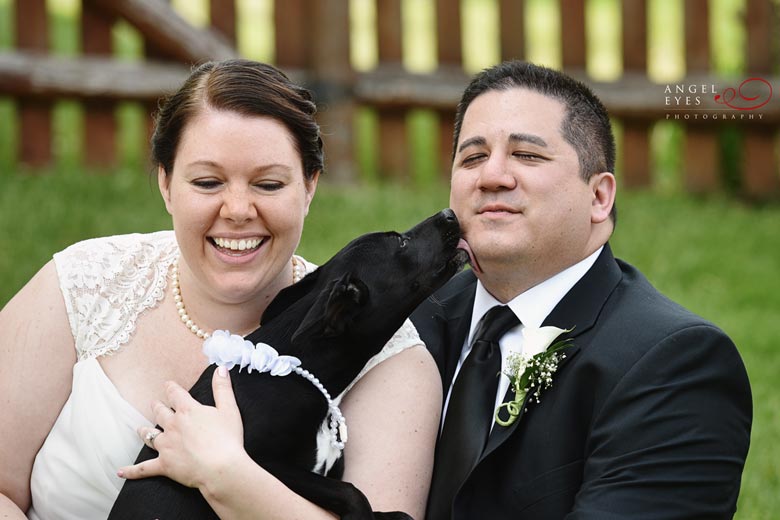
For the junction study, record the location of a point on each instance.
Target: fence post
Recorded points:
(511, 19)
(334, 78)
(701, 143)
(393, 143)
(573, 34)
(223, 18)
(100, 128)
(290, 22)
(313, 35)
(35, 139)
(154, 52)
(760, 167)
(449, 54)
(635, 148)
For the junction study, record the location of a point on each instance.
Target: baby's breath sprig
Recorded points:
(532, 373)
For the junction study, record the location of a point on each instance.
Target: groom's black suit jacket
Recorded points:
(648, 416)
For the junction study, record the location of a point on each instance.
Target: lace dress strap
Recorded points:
(108, 282)
(404, 338)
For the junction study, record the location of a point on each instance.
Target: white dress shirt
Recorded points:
(531, 307)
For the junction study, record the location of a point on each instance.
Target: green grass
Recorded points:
(715, 256)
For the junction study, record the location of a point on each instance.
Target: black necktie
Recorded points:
(470, 412)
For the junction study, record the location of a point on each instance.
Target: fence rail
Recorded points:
(312, 45)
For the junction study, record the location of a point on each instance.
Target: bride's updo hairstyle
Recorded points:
(245, 87)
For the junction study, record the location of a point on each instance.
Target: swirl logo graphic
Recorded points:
(751, 94)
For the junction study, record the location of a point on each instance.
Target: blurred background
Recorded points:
(699, 180)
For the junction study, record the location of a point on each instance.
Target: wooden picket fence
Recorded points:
(312, 45)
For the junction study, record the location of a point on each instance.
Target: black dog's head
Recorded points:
(362, 295)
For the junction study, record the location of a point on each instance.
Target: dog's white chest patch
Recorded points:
(327, 453)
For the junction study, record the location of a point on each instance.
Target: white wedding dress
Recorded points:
(107, 283)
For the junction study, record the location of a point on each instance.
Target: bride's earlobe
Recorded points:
(311, 189)
(163, 182)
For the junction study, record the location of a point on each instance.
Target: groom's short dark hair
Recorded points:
(585, 125)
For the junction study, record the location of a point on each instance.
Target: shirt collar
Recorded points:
(533, 306)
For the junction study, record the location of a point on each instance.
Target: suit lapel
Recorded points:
(583, 303)
(578, 310)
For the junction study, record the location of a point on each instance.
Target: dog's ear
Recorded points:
(347, 297)
(289, 295)
(335, 309)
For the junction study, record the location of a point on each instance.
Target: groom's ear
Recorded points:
(603, 187)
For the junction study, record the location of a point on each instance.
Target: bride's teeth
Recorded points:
(238, 245)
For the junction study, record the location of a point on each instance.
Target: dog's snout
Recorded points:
(449, 215)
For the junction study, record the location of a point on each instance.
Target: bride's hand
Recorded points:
(198, 441)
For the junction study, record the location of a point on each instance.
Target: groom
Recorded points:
(648, 411)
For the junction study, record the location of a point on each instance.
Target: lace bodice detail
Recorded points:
(108, 282)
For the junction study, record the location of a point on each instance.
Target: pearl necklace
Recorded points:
(298, 271)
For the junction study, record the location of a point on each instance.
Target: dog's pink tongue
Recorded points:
(462, 244)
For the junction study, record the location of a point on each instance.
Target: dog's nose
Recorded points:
(449, 215)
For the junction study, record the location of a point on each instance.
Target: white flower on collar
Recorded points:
(225, 349)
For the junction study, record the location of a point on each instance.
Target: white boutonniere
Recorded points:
(532, 371)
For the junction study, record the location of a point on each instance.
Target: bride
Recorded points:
(107, 336)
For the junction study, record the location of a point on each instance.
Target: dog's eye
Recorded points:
(402, 241)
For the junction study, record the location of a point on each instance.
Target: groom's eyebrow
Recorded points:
(473, 141)
(513, 138)
(527, 138)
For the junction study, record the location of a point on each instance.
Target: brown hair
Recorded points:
(246, 87)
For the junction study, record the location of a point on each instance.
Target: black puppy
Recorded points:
(334, 321)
